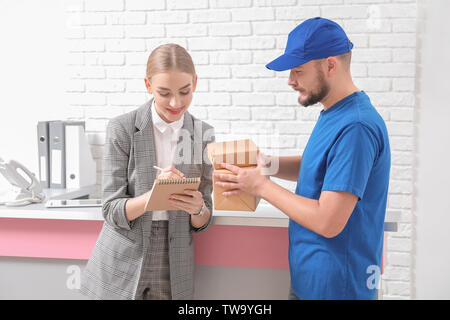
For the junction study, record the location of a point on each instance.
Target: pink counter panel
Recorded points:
(45, 238)
(243, 246)
(239, 246)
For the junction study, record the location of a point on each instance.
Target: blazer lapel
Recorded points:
(145, 159)
(144, 149)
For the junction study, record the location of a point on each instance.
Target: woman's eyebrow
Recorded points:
(162, 88)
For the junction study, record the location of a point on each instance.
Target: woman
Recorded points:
(150, 255)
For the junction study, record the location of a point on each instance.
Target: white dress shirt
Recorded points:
(165, 138)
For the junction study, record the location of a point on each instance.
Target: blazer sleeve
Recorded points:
(206, 186)
(116, 155)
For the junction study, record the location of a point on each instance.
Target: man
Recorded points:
(337, 211)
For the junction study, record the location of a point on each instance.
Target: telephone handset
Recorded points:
(30, 190)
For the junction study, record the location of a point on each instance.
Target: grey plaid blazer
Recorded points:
(116, 263)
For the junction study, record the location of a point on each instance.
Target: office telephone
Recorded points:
(22, 178)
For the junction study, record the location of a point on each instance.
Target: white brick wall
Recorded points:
(231, 41)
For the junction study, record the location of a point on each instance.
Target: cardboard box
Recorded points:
(241, 153)
(240, 202)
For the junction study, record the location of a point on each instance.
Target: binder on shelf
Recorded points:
(80, 168)
(43, 152)
(57, 151)
(57, 154)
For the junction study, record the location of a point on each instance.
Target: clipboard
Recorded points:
(162, 189)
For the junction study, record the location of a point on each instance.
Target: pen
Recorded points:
(160, 169)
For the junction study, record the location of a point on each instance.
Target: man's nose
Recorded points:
(292, 81)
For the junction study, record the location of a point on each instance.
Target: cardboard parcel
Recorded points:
(241, 153)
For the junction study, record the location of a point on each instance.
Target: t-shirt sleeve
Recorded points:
(350, 160)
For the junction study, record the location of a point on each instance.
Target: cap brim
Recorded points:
(285, 62)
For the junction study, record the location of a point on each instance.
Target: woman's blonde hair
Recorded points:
(169, 57)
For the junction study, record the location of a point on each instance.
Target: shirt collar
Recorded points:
(162, 125)
(343, 102)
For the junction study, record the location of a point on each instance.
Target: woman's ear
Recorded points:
(194, 84)
(148, 85)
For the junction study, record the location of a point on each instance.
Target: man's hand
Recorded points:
(251, 181)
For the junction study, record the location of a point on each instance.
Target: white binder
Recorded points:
(80, 166)
(57, 155)
(43, 153)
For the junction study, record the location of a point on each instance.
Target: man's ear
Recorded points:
(148, 85)
(332, 66)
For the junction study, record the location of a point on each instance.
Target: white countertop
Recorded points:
(39, 211)
(265, 215)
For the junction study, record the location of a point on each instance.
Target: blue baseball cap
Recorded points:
(313, 39)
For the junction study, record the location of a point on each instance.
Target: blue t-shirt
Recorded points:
(348, 150)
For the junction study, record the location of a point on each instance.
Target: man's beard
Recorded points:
(319, 94)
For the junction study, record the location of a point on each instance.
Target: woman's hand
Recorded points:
(171, 173)
(191, 202)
